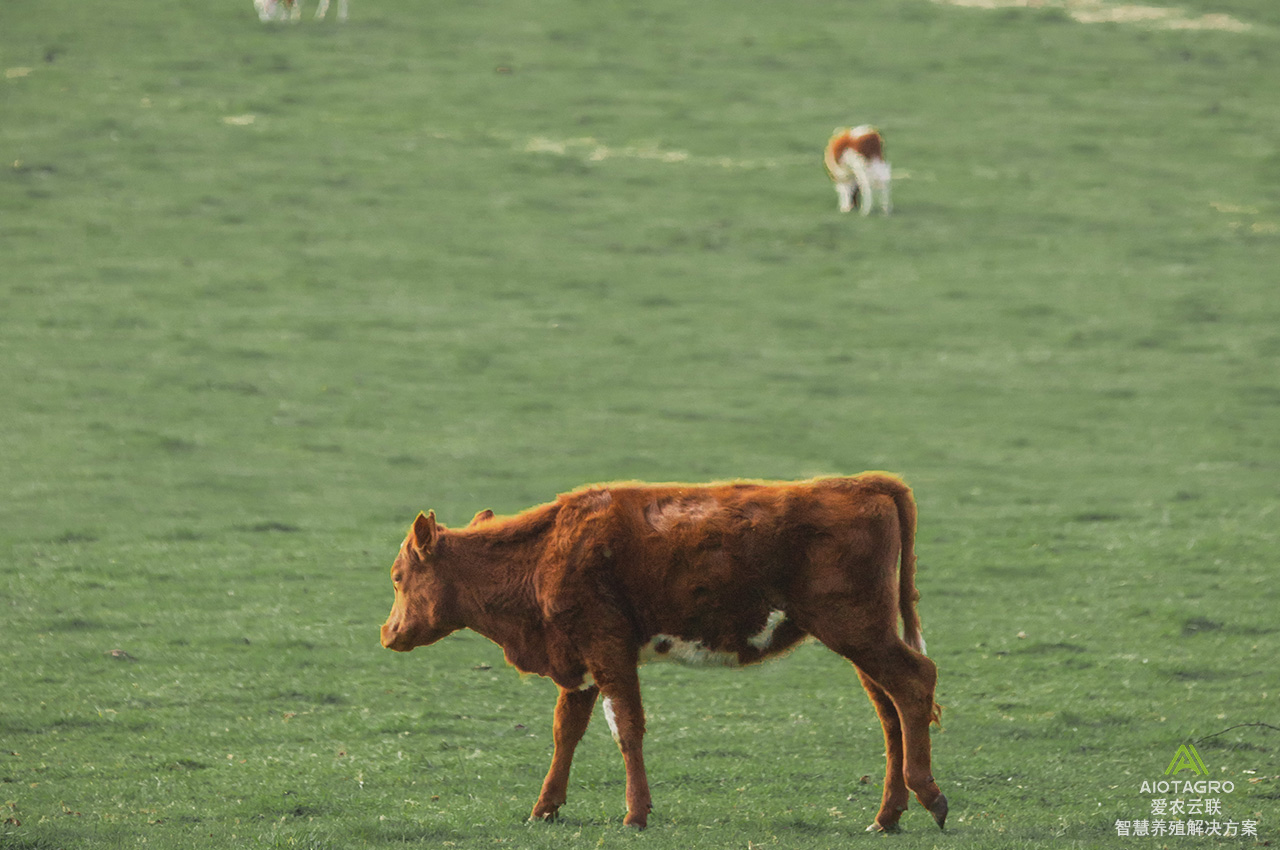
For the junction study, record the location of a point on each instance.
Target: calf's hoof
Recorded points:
(888, 828)
(887, 818)
(544, 813)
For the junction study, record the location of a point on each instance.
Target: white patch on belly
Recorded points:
(764, 637)
(611, 718)
(692, 653)
(687, 652)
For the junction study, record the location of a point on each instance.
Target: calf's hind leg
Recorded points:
(908, 678)
(573, 714)
(894, 801)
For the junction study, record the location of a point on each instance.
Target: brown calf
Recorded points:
(585, 589)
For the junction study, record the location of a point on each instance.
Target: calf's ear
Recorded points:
(483, 516)
(425, 533)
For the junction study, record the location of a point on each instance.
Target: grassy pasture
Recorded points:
(267, 291)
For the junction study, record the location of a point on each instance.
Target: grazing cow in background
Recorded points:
(278, 10)
(586, 588)
(855, 160)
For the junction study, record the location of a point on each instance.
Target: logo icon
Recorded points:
(1186, 758)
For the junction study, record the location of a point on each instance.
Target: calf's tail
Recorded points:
(897, 489)
(834, 169)
(912, 634)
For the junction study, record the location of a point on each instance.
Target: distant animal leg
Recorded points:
(863, 180)
(322, 9)
(894, 801)
(573, 714)
(342, 10)
(847, 192)
(883, 175)
(272, 10)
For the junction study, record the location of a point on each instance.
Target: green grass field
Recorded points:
(267, 291)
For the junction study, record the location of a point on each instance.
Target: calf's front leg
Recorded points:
(625, 715)
(573, 713)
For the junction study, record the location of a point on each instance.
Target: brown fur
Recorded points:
(573, 589)
(870, 145)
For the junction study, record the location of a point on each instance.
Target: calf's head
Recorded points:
(423, 611)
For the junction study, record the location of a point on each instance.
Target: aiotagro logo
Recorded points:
(1187, 807)
(1186, 758)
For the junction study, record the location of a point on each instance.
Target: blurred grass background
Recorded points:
(267, 291)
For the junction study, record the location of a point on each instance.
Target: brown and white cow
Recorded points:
(854, 157)
(587, 588)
